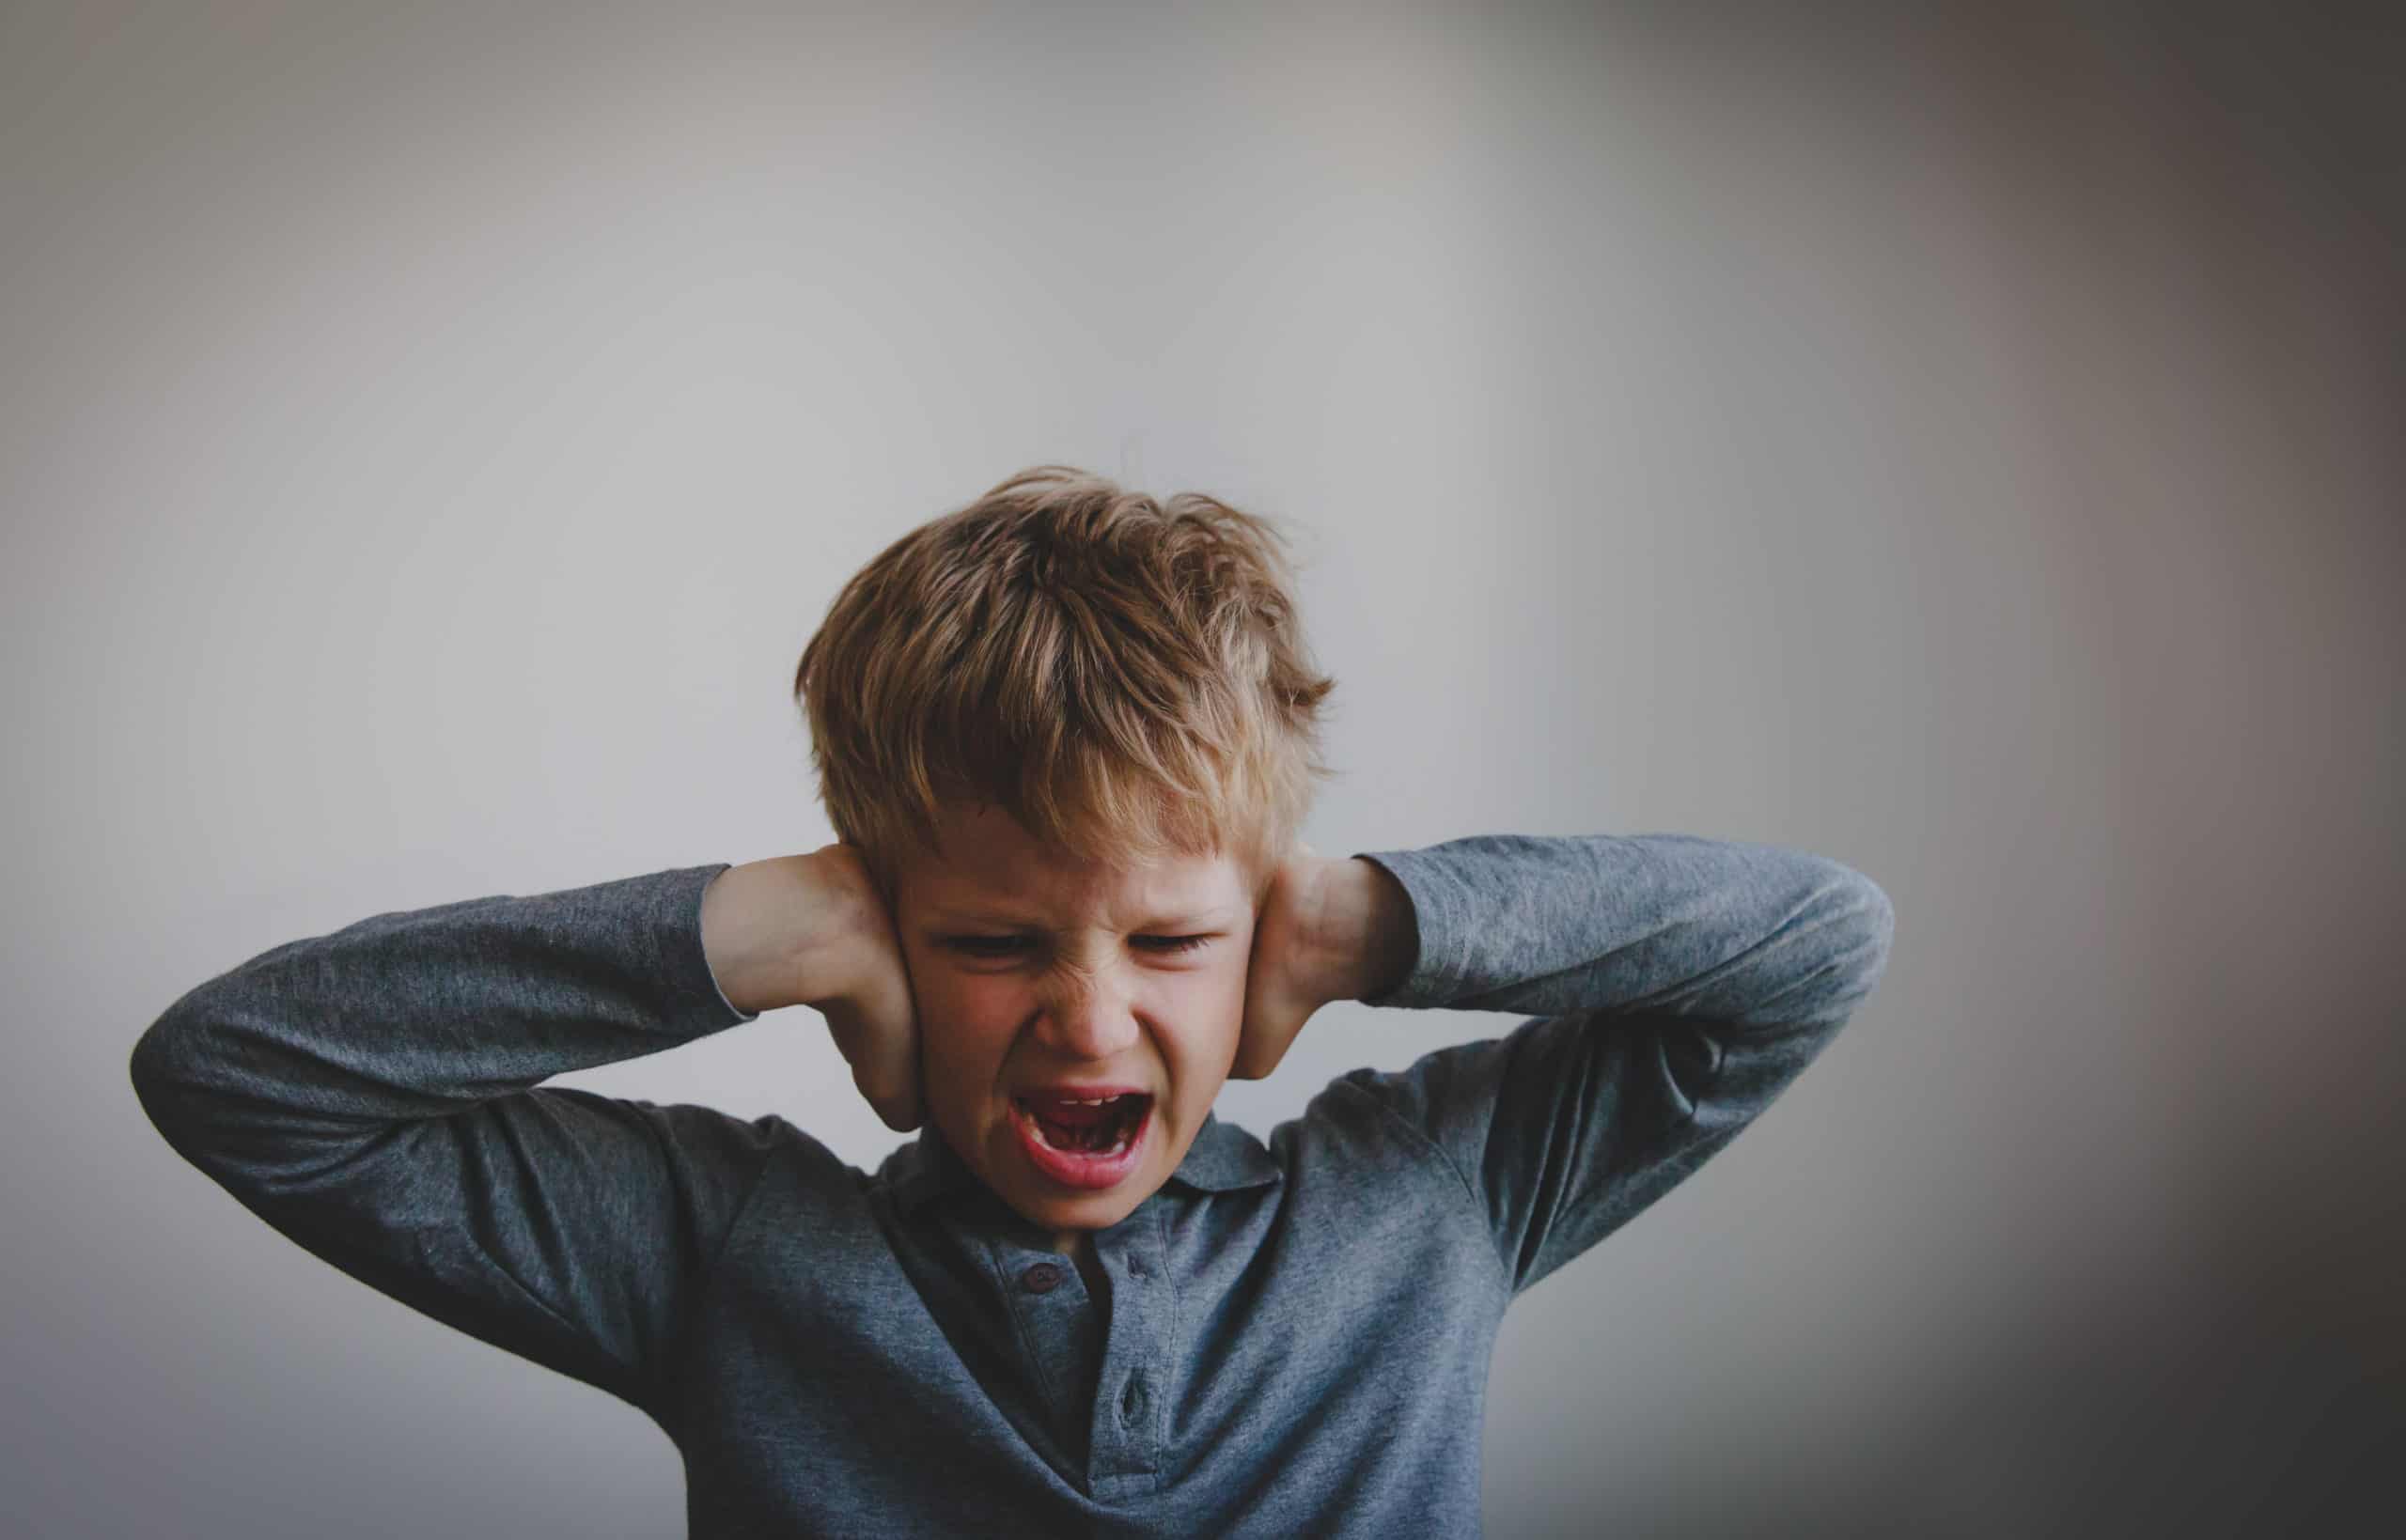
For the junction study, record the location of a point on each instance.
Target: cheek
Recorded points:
(986, 1001)
(967, 1024)
(1204, 1011)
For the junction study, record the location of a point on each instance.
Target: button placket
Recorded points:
(1056, 1335)
(1126, 1450)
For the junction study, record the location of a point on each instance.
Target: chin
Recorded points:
(1089, 1213)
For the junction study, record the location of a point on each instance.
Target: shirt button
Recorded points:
(1136, 1268)
(1042, 1278)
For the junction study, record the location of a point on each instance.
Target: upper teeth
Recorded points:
(1086, 1101)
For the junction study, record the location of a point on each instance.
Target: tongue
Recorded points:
(1073, 1115)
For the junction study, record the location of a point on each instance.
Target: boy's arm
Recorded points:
(1681, 984)
(370, 1093)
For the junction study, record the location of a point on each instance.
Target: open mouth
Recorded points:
(1076, 1128)
(1085, 1145)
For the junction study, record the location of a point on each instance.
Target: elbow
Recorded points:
(149, 1067)
(1867, 923)
(162, 1071)
(178, 1079)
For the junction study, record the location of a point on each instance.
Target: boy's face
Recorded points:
(1033, 972)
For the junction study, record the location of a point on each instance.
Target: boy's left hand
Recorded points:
(1326, 930)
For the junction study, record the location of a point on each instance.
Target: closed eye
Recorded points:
(986, 946)
(1011, 946)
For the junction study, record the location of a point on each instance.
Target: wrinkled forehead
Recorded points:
(991, 866)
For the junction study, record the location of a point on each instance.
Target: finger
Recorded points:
(884, 1059)
(1272, 1024)
(1261, 1050)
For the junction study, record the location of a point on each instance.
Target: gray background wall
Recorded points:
(1963, 443)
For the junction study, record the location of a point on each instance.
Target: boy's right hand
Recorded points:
(863, 989)
(814, 930)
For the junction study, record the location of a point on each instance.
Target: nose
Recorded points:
(1087, 1016)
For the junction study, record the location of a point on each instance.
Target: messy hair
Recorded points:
(1127, 678)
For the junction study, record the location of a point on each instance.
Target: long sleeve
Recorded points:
(1681, 982)
(372, 1094)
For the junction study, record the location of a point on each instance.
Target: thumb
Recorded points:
(1274, 1017)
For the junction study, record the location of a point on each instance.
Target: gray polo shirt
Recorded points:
(1294, 1335)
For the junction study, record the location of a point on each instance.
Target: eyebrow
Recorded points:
(1208, 915)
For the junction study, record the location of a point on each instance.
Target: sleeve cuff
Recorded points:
(1441, 910)
(700, 957)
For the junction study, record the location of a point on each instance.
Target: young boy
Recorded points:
(1068, 736)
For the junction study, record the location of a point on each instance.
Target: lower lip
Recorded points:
(1075, 1168)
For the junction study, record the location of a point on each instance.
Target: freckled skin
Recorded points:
(1087, 993)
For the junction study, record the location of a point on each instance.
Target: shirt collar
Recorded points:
(1223, 1159)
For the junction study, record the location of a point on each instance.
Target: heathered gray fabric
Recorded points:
(1296, 1335)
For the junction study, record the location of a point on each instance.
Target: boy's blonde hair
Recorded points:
(1128, 678)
